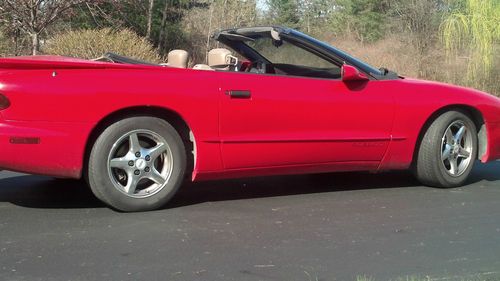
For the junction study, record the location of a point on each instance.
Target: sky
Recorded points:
(261, 4)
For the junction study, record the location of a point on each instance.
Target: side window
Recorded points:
(290, 59)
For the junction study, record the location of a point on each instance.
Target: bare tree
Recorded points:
(420, 19)
(199, 23)
(34, 16)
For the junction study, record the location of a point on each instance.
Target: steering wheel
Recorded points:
(254, 67)
(260, 67)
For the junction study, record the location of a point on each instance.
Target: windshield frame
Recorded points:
(301, 40)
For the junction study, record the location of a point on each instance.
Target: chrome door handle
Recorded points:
(237, 94)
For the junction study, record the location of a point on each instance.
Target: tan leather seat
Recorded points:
(221, 59)
(178, 58)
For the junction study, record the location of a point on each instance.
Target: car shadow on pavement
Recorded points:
(48, 193)
(265, 187)
(486, 172)
(251, 188)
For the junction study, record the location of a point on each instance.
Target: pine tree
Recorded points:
(284, 12)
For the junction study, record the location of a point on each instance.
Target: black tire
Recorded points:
(432, 167)
(105, 180)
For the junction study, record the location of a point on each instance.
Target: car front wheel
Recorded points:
(137, 164)
(448, 151)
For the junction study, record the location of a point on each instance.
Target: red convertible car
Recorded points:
(280, 102)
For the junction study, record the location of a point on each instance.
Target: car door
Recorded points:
(274, 121)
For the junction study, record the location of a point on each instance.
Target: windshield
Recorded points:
(288, 53)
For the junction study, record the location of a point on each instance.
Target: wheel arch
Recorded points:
(172, 117)
(472, 112)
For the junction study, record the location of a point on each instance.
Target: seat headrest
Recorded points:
(177, 58)
(221, 57)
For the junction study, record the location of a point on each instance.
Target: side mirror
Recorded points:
(350, 73)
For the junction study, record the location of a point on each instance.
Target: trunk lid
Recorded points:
(59, 62)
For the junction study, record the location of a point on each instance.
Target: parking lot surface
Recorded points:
(312, 227)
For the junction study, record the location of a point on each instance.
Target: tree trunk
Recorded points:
(162, 28)
(212, 7)
(34, 43)
(16, 42)
(150, 18)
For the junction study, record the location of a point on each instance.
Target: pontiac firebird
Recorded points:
(281, 102)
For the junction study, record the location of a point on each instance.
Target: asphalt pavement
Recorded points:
(312, 227)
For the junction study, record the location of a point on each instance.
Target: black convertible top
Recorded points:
(112, 57)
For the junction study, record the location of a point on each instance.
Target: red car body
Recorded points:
(290, 125)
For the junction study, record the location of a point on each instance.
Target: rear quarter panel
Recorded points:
(70, 103)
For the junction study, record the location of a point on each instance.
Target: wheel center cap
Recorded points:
(140, 164)
(456, 149)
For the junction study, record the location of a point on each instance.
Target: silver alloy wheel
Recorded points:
(140, 163)
(457, 146)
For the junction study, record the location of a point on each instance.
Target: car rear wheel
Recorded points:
(137, 164)
(448, 151)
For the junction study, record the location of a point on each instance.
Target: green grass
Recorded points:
(364, 278)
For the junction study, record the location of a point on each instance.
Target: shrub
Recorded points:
(5, 47)
(89, 44)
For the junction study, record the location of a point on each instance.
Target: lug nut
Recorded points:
(137, 172)
(131, 163)
(148, 158)
(137, 154)
(146, 169)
